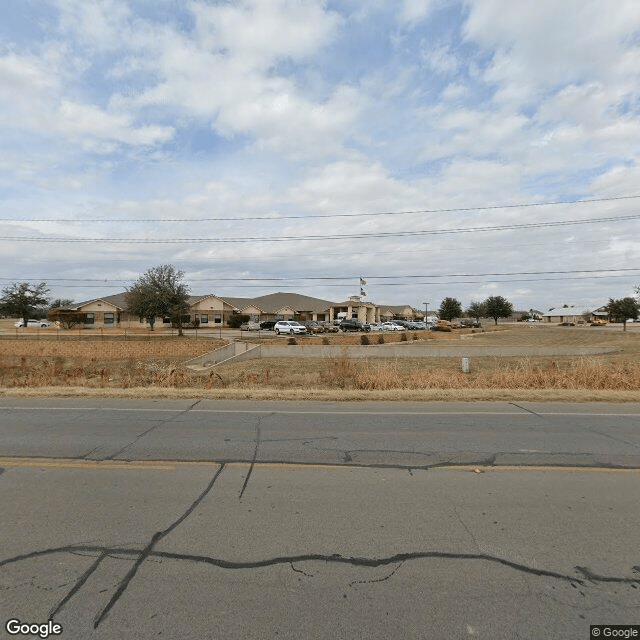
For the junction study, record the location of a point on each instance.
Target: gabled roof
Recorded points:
(191, 300)
(397, 307)
(564, 311)
(237, 303)
(117, 300)
(273, 302)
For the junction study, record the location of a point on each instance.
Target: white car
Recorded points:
(33, 323)
(376, 326)
(391, 326)
(290, 327)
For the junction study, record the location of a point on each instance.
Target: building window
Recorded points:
(166, 320)
(217, 320)
(204, 318)
(89, 318)
(109, 318)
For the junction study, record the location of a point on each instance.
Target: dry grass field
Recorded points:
(143, 368)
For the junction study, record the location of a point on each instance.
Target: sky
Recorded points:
(433, 148)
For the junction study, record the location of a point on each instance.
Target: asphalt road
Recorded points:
(407, 435)
(125, 519)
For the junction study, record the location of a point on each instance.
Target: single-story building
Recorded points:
(568, 313)
(399, 312)
(214, 311)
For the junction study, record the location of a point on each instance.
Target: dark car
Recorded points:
(466, 323)
(268, 325)
(353, 324)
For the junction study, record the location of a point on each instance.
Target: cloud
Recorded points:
(552, 44)
(441, 59)
(415, 10)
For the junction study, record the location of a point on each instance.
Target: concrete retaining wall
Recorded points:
(234, 350)
(420, 351)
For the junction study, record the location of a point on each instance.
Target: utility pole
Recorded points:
(426, 312)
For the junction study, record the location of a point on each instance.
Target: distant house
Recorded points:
(398, 312)
(601, 313)
(568, 313)
(565, 313)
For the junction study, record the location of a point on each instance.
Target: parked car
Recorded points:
(391, 326)
(329, 327)
(33, 323)
(267, 325)
(376, 326)
(250, 326)
(353, 324)
(314, 327)
(289, 326)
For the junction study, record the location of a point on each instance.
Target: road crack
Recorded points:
(160, 423)
(147, 551)
(384, 579)
(253, 460)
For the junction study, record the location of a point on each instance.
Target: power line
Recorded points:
(522, 205)
(346, 236)
(348, 278)
(387, 284)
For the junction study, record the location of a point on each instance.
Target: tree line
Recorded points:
(493, 307)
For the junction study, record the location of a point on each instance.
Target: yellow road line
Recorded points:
(70, 463)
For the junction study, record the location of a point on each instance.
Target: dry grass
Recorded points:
(148, 368)
(113, 363)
